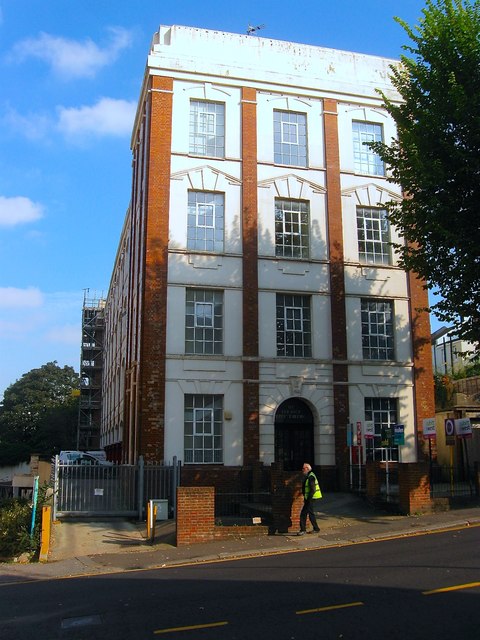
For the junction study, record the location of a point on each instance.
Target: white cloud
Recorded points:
(33, 126)
(13, 298)
(108, 117)
(18, 210)
(73, 58)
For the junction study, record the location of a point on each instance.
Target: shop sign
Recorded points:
(386, 437)
(359, 434)
(369, 431)
(429, 428)
(349, 434)
(463, 428)
(399, 434)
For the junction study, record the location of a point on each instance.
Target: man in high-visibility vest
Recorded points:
(311, 492)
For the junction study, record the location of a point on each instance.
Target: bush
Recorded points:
(15, 525)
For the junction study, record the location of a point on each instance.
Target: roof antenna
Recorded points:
(251, 29)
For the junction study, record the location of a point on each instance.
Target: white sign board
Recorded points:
(369, 429)
(429, 430)
(463, 428)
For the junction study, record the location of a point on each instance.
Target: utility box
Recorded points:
(162, 508)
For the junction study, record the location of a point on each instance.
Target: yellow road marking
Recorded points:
(330, 608)
(456, 587)
(192, 627)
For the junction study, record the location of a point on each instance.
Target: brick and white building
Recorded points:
(256, 308)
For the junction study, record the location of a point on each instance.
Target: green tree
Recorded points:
(436, 158)
(39, 413)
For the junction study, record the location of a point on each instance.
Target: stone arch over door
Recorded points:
(294, 434)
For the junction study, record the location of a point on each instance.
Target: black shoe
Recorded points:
(316, 530)
(301, 533)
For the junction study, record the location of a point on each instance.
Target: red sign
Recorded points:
(359, 433)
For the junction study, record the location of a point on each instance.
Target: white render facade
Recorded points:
(261, 278)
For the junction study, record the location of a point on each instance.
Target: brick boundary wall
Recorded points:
(196, 519)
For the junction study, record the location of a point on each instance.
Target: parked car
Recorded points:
(84, 458)
(81, 466)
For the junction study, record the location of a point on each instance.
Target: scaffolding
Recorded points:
(91, 372)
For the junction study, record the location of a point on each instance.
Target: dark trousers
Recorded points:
(307, 510)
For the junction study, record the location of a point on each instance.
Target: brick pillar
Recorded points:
(337, 288)
(154, 305)
(195, 515)
(424, 392)
(287, 500)
(414, 486)
(250, 277)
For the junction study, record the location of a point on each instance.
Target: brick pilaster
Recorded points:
(337, 287)
(250, 277)
(154, 303)
(424, 392)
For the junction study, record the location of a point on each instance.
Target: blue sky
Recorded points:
(70, 76)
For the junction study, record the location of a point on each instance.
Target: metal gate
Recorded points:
(116, 490)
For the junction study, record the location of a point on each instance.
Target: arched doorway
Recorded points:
(293, 434)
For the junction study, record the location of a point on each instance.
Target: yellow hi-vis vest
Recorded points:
(317, 493)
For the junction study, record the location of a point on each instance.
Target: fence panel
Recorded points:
(452, 482)
(358, 480)
(389, 486)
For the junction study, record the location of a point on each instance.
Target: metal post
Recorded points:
(176, 482)
(34, 504)
(56, 485)
(141, 485)
(360, 468)
(387, 483)
(430, 468)
(351, 467)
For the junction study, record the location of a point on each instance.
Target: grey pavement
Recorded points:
(88, 547)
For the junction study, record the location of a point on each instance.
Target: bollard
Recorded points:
(151, 520)
(45, 533)
(154, 522)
